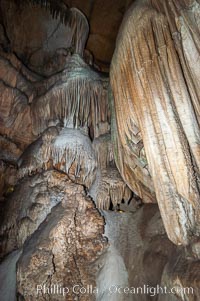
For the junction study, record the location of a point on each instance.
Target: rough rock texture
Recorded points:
(159, 104)
(28, 206)
(80, 158)
(63, 250)
(62, 232)
(9, 151)
(16, 93)
(47, 125)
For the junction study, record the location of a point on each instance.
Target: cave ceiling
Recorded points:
(104, 19)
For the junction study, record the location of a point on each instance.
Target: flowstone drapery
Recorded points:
(160, 104)
(84, 158)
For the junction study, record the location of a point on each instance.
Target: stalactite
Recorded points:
(72, 18)
(80, 100)
(129, 153)
(111, 189)
(56, 41)
(69, 151)
(72, 153)
(56, 8)
(160, 99)
(103, 151)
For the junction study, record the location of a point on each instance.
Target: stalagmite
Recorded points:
(64, 250)
(8, 276)
(156, 101)
(135, 241)
(115, 271)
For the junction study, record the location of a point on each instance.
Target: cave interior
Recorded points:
(100, 150)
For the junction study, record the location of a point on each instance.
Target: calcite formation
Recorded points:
(136, 239)
(112, 190)
(159, 104)
(99, 175)
(64, 249)
(28, 207)
(48, 164)
(80, 95)
(68, 150)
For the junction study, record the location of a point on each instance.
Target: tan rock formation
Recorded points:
(81, 99)
(112, 190)
(28, 206)
(67, 150)
(63, 250)
(156, 98)
(78, 158)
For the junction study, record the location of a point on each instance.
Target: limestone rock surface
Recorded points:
(84, 158)
(63, 250)
(157, 100)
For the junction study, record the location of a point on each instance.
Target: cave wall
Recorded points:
(99, 174)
